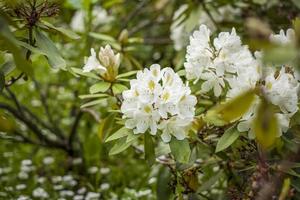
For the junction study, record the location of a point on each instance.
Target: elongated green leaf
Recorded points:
(118, 88)
(132, 137)
(149, 149)
(11, 43)
(62, 30)
(180, 149)
(119, 146)
(91, 96)
(99, 87)
(78, 71)
(2, 81)
(46, 46)
(92, 103)
(297, 3)
(227, 139)
(207, 184)
(126, 74)
(163, 189)
(265, 125)
(122, 132)
(103, 37)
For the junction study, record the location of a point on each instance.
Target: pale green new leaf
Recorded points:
(99, 87)
(265, 125)
(118, 88)
(119, 146)
(228, 138)
(122, 132)
(126, 74)
(92, 103)
(180, 149)
(62, 30)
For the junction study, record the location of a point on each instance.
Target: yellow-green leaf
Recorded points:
(231, 110)
(265, 125)
(99, 87)
(227, 139)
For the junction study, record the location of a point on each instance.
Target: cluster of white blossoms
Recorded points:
(158, 99)
(225, 65)
(219, 61)
(281, 88)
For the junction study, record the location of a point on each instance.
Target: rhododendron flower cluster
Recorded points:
(158, 100)
(219, 60)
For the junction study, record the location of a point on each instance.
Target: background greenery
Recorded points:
(41, 114)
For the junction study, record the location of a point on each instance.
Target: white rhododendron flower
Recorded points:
(158, 99)
(183, 24)
(283, 38)
(99, 17)
(106, 63)
(220, 60)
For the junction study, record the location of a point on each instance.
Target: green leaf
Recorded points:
(99, 87)
(122, 132)
(103, 37)
(62, 30)
(231, 110)
(227, 139)
(90, 96)
(119, 146)
(280, 54)
(180, 149)
(297, 3)
(163, 189)
(92, 103)
(2, 81)
(11, 43)
(132, 137)
(126, 74)
(149, 149)
(78, 71)
(47, 46)
(118, 88)
(265, 125)
(207, 184)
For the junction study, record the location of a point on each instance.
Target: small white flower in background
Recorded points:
(156, 100)
(56, 179)
(48, 160)
(92, 196)
(58, 187)
(219, 60)
(104, 170)
(40, 193)
(77, 161)
(93, 170)
(78, 197)
(23, 175)
(184, 23)
(106, 63)
(23, 197)
(104, 186)
(283, 38)
(81, 190)
(66, 193)
(26, 162)
(20, 187)
(99, 17)
(143, 193)
(41, 179)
